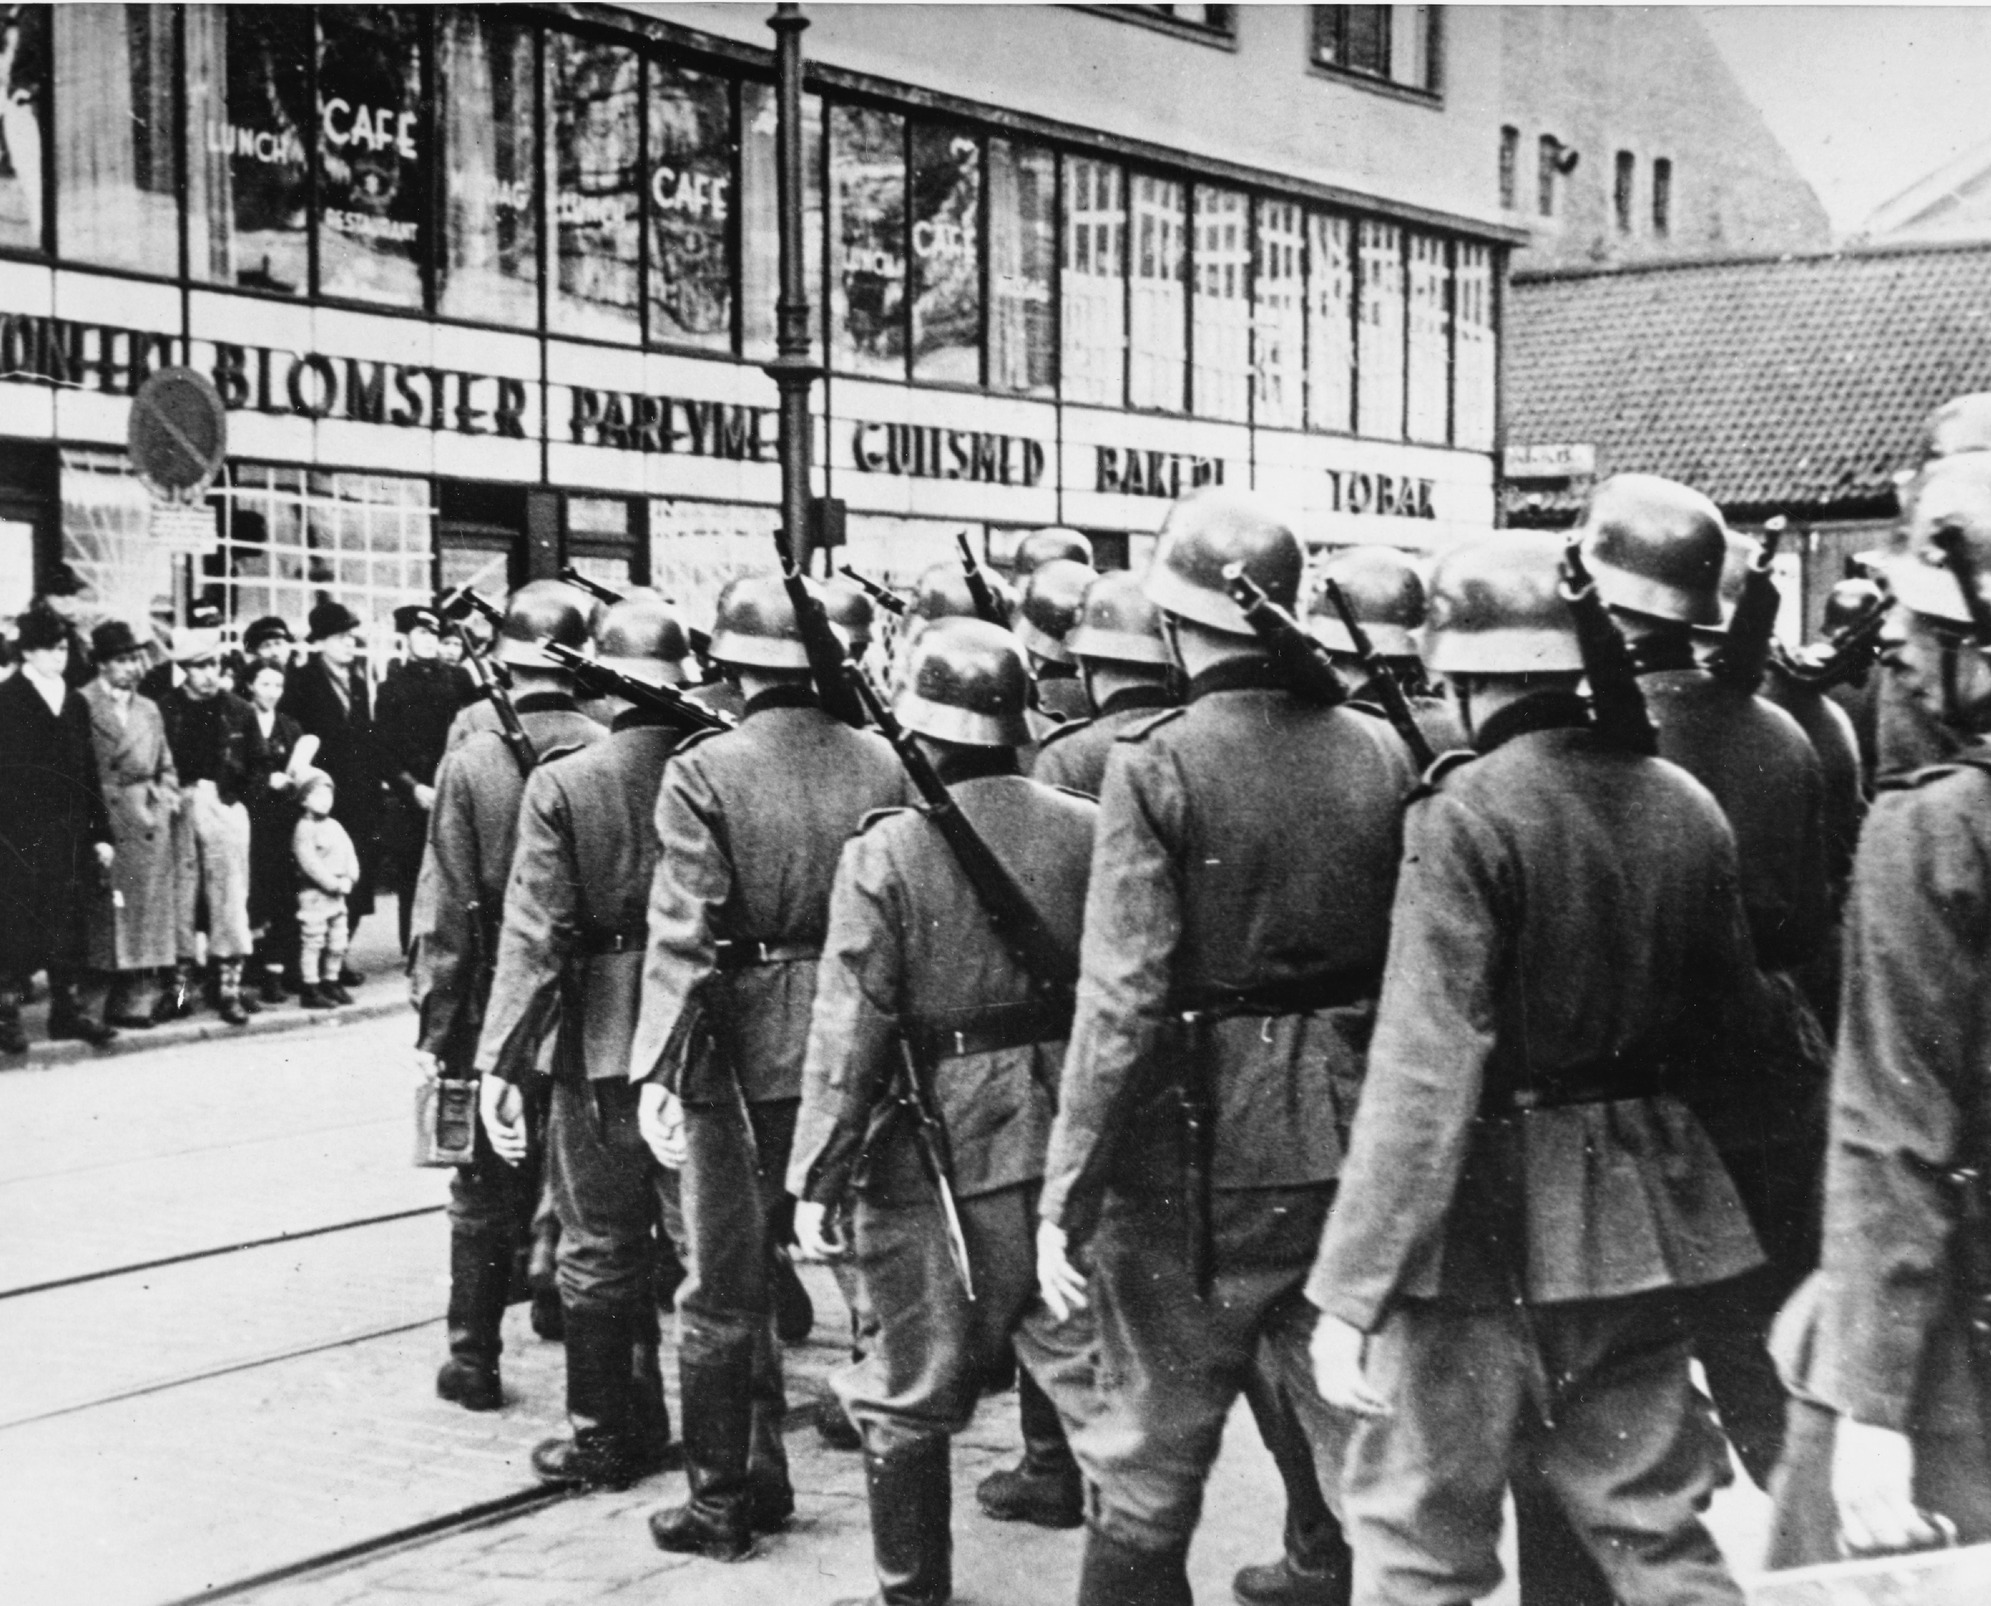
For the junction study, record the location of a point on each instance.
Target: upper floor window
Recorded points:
(1662, 195)
(1510, 162)
(1547, 164)
(1217, 19)
(24, 76)
(1398, 44)
(1621, 191)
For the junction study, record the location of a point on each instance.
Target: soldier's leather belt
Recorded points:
(1301, 995)
(630, 940)
(1580, 1084)
(986, 1031)
(735, 955)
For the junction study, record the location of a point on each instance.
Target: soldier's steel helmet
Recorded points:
(1040, 547)
(754, 626)
(1850, 601)
(542, 610)
(1656, 548)
(1203, 534)
(849, 611)
(644, 638)
(967, 683)
(1117, 623)
(1385, 593)
(1961, 424)
(1497, 609)
(1952, 494)
(1052, 597)
(942, 593)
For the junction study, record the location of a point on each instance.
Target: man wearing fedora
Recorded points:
(330, 699)
(131, 920)
(267, 641)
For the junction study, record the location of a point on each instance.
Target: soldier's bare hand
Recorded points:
(503, 1110)
(1060, 1282)
(1336, 1350)
(105, 854)
(660, 1118)
(1873, 1485)
(815, 1238)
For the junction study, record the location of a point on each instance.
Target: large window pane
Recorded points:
(1472, 377)
(1093, 282)
(1279, 316)
(1222, 343)
(760, 219)
(372, 153)
(489, 267)
(1330, 323)
(1160, 333)
(691, 207)
(1379, 353)
(867, 241)
(1430, 339)
(1023, 183)
(117, 162)
(248, 116)
(946, 261)
(593, 106)
(23, 120)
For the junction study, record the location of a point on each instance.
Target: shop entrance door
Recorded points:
(30, 538)
(481, 537)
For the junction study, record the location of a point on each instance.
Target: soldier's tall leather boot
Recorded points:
(717, 1405)
(912, 1537)
(1115, 1574)
(601, 1453)
(770, 1497)
(1045, 1487)
(649, 1413)
(478, 1283)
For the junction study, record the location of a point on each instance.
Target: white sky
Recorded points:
(1867, 99)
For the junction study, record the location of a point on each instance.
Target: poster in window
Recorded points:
(760, 222)
(489, 261)
(594, 101)
(372, 153)
(117, 167)
(23, 118)
(248, 114)
(691, 208)
(1023, 243)
(868, 241)
(946, 196)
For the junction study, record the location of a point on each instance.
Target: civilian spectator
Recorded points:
(130, 926)
(267, 641)
(327, 867)
(213, 735)
(418, 699)
(57, 835)
(64, 595)
(329, 699)
(272, 804)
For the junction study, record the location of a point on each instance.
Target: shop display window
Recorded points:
(760, 220)
(115, 541)
(1330, 322)
(248, 166)
(373, 145)
(945, 199)
(691, 208)
(1429, 408)
(594, 105)
(1093, 279)
(116, 154)
(1279, 316)
(1379, 344)
(697, 547)
(1159, 315)
(23, 126)
(1023, 237)
(1221, 339)
(488, 261)
(868, 241)
(1473, 348)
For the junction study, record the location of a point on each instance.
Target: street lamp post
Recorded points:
(792, 371)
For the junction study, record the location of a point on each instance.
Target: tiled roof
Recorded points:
(1797, 382)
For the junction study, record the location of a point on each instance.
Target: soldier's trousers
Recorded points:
(1171, 1365)
(1629, 1459)
(491, 1206)
(609, 1194)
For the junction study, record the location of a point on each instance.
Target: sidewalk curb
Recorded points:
(44, 1055)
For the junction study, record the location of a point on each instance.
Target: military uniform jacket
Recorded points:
(472, 831)
(1063, 696)
(1830, 731)
(1567, 919)
(749, 824)
(1246, 843)
(1878, 1333)
(574, 908)
(911, 952)
(1074, 755)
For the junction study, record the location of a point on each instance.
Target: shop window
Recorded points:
(1330, 323)
(248, 167)
(691, 208)
(373, 138)
(593, 98)
(1398, 44)
(1621, 190)
(488, 266)
(116, 157)
(1221, 339)
(1023, 181)
(760, 220)
(1430, 377)
(945, 196)
(1510, 166)
(1093, 283)
(1473, 348)
(23, 125)
(696, 548)
(1662, 196)
(111, 538)
(602, 542)
(1159, 332)
(1379, 348)
(1279, 314)
(868, 241)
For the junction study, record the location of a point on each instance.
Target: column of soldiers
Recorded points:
(1120, 1012)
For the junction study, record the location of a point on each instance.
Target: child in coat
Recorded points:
(327, 868)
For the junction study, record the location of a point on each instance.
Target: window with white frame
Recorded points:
(1473, 348)
(1429, 405)
(1379, 349)
(1331, 323)
(1279, 316)
(1159, 333)
(1221, 339)
(1093, 281)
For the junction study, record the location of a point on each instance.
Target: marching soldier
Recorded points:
(1234, 936)
(574, 938)
(472, 830)
(1040, 547)
(1848, 603)
(1386, 594)
(750, 823)
(1888, 1424)
(1523, 1198)
(1123, 666)
(1052, 597)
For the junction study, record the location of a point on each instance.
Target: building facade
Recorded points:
(487, 291)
